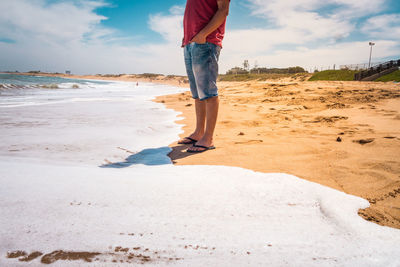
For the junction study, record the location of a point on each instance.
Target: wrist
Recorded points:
(202, 35)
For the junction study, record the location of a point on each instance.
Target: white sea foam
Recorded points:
(57, 192)
(203, 215)
(88, 125)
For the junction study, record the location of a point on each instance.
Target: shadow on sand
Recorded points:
(152, 157)
(179, 152)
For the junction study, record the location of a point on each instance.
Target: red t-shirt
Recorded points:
(198, 14)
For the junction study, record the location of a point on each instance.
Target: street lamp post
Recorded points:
(370, 53)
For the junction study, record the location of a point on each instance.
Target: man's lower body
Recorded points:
(201, 61)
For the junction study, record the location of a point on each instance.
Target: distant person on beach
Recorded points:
(204, 28)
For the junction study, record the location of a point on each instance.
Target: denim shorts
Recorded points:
(201, 61)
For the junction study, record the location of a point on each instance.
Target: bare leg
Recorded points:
(211, 112)
(200, 119)
(200, 107)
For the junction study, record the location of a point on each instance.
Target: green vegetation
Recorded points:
(110, 75)
(259, 77)
(334, 75)
(394, 76)
(168, 77)
(150, 75)
(290, 70)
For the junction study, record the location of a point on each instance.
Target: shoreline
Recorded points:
(318, 131)
(54, 187)
(178, 81)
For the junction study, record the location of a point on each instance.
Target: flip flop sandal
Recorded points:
(189, 141)
(199, 151)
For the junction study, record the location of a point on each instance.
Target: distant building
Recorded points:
(68, 72)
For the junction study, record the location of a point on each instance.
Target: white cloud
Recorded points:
(68, 35)
(309, 33)
(338, 9)
(177, 10)
(169, 26)
(320, 57)
(58, 22)
(383, 26)
(348, 9)
(308, 18)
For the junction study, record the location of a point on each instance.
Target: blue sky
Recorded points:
(132, 36)
(131, 17)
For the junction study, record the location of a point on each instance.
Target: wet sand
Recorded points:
(345, 135)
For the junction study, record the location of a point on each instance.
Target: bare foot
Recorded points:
(187, 141)
(202, 145)
(191, 139)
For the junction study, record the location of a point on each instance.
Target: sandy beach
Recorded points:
(345, 135)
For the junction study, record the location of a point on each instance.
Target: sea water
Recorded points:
(84, 168)
(87, 121)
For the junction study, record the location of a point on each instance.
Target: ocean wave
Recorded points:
(17, 86)
(6, 86)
